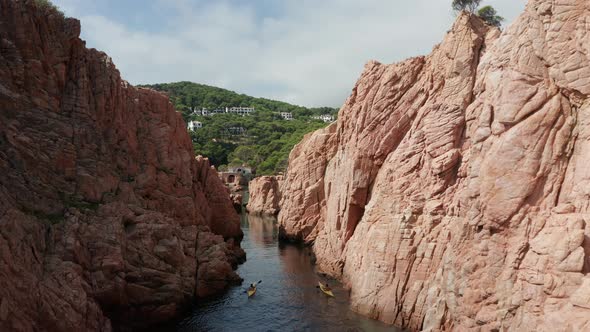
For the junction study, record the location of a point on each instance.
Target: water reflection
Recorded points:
(262, 229)
(287, 299)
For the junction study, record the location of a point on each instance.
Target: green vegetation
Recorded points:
(49, 6)
(266, 140)
(265, 145)
(490, 15)
(187, 96)
(487, 13)
(468, 5)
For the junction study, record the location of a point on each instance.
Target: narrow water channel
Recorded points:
(286, 300)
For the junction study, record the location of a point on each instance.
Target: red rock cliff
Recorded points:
(105, 215)
(265, 195)
(453, 192)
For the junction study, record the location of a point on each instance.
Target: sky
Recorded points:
(306, 52)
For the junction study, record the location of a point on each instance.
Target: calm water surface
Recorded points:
(286, 300)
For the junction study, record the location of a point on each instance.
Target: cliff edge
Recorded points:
(452, 193)
(106, 217)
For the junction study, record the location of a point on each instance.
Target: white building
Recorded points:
(203, 111)
(194, 125)
(324, 117)
(287, 116)
(235, 131)
(243, 111)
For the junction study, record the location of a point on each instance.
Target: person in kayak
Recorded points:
(252, 289)
(325, 289)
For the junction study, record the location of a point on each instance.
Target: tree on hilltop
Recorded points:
(486, 13)
(468, 5)
(490, 15)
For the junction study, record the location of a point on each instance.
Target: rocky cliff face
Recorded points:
(265, 195)
(303, 202)
(105, 215)
(453, 192)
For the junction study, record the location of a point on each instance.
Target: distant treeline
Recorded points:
(187, 96)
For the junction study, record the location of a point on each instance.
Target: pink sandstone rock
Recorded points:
(453, 193)
(303, 203)
(106, 218)
(265, 195)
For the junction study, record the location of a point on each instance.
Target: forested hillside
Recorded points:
(262, 140)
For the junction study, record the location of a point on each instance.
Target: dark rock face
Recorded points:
(105, 215)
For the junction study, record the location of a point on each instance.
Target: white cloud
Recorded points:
(311, 54)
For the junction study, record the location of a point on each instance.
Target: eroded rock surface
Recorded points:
(453, 192)
(105, 215)
(265, 195)
(303, 202)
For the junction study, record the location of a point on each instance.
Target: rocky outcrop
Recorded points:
(454, 193)
(237, 200)
(220, 216)
(106, 218)
(265, 195)
(303, 202)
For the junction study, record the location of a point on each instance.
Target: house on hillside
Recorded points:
(235, 131)
(194, 125)
(199, 111)
(239, 175)
(243, 111)
(287, 116)
(324, 117)
(217, 111)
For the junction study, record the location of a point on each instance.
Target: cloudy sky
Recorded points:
(307, 52)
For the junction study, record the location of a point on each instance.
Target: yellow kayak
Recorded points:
(251, 291)
(326, 290)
